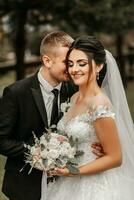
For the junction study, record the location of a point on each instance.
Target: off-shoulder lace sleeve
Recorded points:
(101, 107)
(101, 111)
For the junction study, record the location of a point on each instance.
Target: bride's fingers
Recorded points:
(49, 173)
(62, 171)
(53, 173)
(57, 170)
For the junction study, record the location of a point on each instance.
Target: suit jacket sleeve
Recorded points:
(9, 145)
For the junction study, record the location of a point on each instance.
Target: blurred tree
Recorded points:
(107, 16)
(76, 17)
(19, 11)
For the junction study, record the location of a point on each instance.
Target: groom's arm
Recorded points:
(9, 146)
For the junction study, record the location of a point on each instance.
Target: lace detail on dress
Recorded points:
(101, 186)
(78, 127)
(101, 111)
(81, 126)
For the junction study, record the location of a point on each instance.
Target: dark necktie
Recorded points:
(55, 113)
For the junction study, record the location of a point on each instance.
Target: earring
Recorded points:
(97, 75)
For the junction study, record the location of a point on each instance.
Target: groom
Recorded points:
(28, 105)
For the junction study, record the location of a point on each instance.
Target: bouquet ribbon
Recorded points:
(44, 187)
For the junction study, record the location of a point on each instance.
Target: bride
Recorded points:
(97, 114)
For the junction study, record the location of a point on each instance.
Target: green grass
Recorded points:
(10, 77)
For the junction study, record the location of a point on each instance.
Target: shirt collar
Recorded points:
(47, 86)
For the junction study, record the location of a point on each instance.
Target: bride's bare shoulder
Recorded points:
(99, 100)
(74, 97)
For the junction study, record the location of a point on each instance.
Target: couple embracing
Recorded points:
(98, 114)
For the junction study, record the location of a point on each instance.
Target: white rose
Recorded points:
(43, 140)
(54, 135)
(63, 152)
(53, 153)
(69, 152)
(53, 143)
(65, 145)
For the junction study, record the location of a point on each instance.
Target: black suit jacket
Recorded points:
(22, 111)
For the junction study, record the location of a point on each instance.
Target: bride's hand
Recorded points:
(61, 172)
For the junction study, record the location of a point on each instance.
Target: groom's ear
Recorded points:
(47, 61)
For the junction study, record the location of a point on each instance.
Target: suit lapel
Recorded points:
(63, 93)
(36, 91)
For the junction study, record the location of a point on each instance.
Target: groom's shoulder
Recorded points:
(22, 84)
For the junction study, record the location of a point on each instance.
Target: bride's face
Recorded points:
(78, 67)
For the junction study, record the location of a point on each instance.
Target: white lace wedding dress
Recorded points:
(107, 185)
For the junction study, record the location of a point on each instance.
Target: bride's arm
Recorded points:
(107, 133)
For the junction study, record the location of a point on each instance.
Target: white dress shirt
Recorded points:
(48, 96)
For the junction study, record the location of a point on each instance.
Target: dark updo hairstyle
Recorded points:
(94, 49)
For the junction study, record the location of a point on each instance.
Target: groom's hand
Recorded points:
(97, 149)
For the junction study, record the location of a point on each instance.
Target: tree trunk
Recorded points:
(20, 42)
(120, 58)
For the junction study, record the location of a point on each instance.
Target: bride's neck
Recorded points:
(87, 91)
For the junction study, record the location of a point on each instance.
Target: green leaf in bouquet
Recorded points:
(45, 161)
(42, 146)
(73, 161)
(73, 169)
(64, 158)
(76, 143)
(79, 153)
(58, 162)
(47, 137)
(71, 141)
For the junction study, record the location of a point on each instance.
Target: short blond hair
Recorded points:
(53, 40)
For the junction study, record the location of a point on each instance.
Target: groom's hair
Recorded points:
(53, 40)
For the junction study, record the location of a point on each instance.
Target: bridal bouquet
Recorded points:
(53, 150)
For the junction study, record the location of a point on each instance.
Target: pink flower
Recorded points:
(60, 138)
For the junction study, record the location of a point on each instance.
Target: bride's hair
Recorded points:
(94, 49)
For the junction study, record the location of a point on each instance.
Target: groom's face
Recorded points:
(58, 71)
